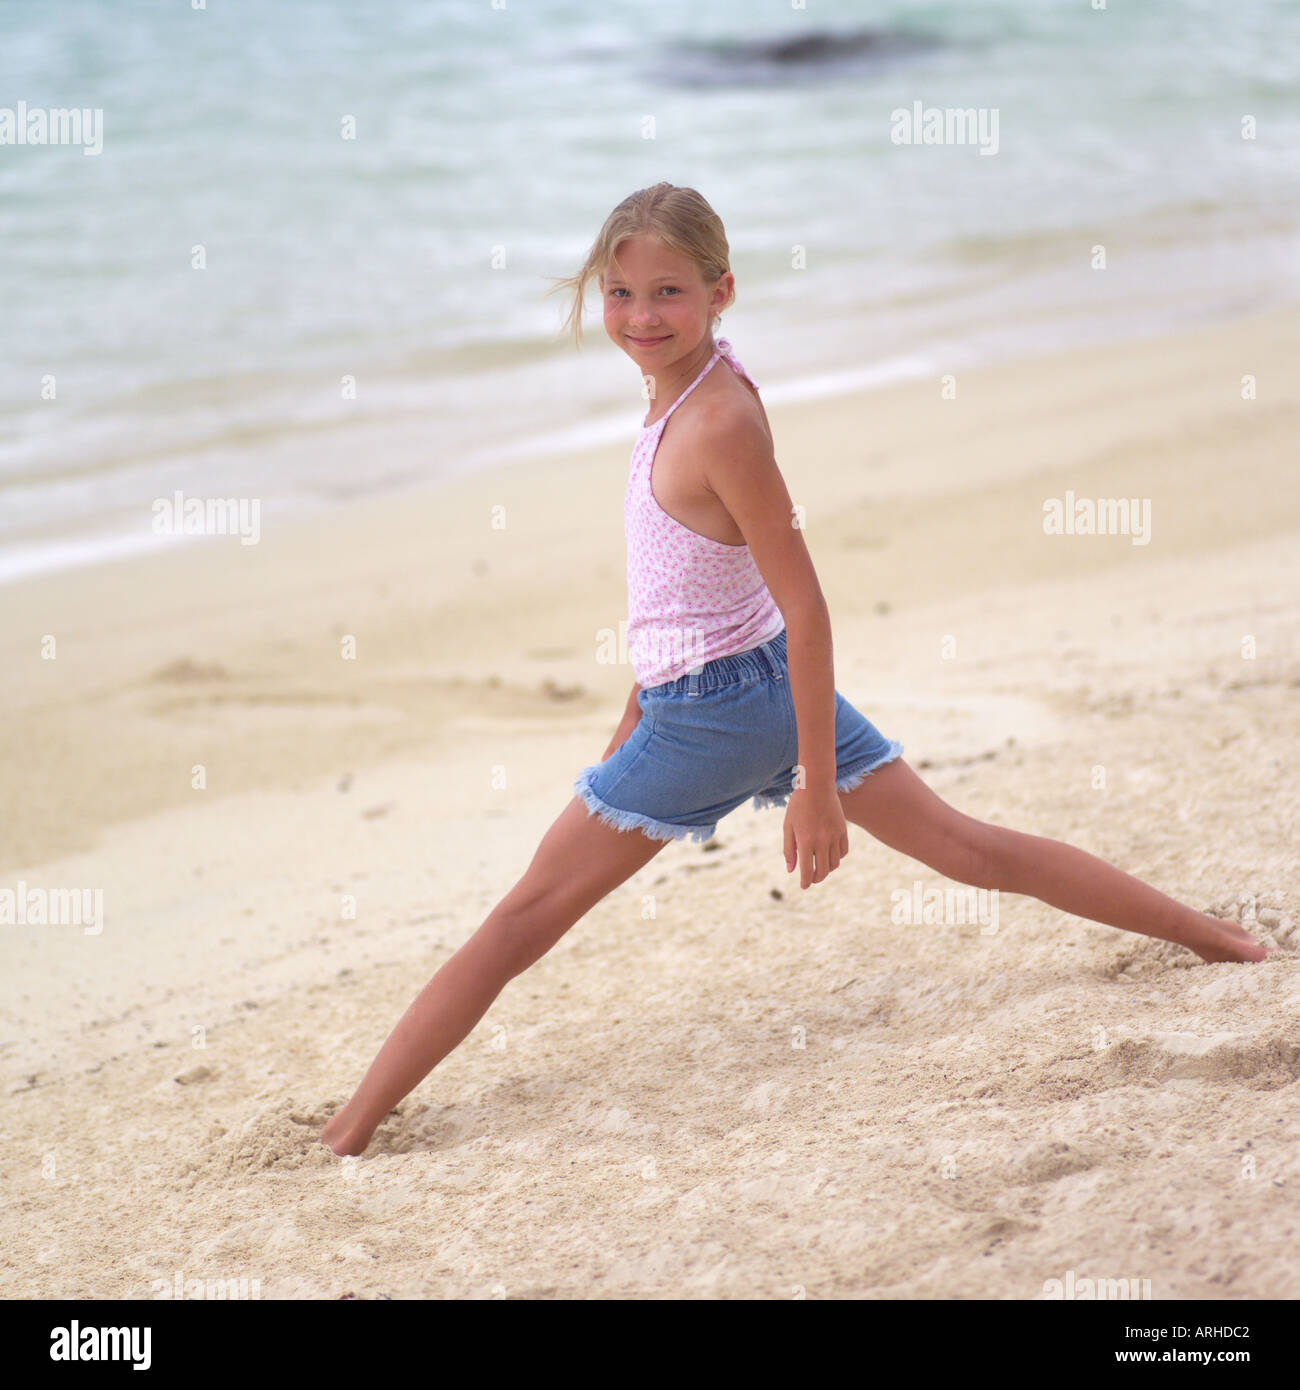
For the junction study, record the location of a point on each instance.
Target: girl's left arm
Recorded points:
(741, 470)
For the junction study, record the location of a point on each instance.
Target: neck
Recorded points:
(678, 376)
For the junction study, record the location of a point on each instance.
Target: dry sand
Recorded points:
(716, 1085)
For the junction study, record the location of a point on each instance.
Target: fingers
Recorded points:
(814, 866)
(818, 863)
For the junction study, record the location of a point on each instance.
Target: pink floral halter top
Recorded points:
(691, 599)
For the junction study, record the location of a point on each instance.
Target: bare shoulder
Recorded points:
(739, 469)
(733, 437)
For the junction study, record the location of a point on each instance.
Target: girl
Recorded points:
(735, 693)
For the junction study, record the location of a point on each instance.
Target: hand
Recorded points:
(816, 834)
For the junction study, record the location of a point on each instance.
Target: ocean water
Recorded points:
(380, 197)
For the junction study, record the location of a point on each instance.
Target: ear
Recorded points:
(722, 292)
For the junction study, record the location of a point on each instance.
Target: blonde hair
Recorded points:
(679, 217)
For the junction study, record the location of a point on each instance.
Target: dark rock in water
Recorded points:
(817, 48)
(788, 57)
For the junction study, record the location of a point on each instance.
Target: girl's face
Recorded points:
(657, 305)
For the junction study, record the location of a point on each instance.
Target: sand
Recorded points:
(716, 1085)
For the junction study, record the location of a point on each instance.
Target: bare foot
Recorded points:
(1227, 941)
(340, 1138)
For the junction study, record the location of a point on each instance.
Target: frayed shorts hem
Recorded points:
(634, 820)
(846, 782)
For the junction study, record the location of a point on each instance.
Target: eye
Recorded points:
(674, 289)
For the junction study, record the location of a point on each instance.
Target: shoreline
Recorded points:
(933, 336)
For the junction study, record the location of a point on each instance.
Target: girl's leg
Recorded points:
(897, 807)
(579, 860)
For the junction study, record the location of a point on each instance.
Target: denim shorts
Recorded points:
(715, 738)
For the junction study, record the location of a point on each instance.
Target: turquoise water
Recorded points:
(510, 133)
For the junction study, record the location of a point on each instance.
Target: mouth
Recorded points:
(648, 342)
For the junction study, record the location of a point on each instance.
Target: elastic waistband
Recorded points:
(766, 660)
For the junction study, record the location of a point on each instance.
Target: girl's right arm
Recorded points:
(631, 718)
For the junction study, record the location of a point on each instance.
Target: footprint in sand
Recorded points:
(1050, 1159)
(186, 671)
(1265, 1057)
